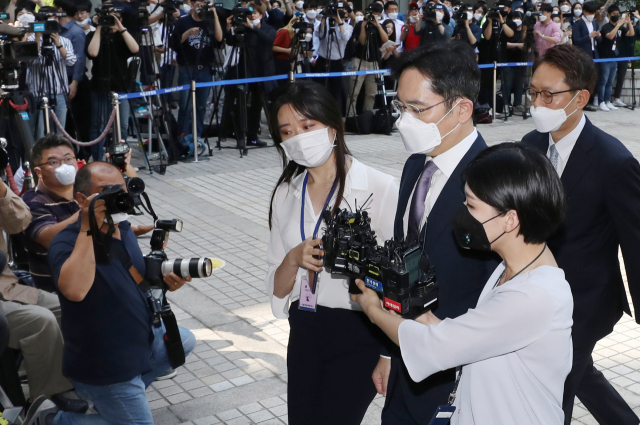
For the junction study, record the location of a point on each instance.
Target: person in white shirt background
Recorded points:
(515, 347)
(333, 350)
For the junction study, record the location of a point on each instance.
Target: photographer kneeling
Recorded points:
(515, 346)
(112, 351)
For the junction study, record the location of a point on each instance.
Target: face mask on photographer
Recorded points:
(65, 174)
(589, 17)
(413, 19)
(311, 149)
(439, 15)
(543, 18)
(419, 136)
(518, 22)
(565, 8)
(26, 19)
(84, 22)
(311, 14)
(614, 18)
(186, 8)
(300, 5)
(478, 16)
(470, 233)
(577, 13)
(256, 21)
(393, 15)
(359, 18)
(469, 16)
(566, 25)
(547, 119)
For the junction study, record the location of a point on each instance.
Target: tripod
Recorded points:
(528, 55)
(371, 42)
(633, 88)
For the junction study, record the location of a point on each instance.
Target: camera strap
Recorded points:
(315, 231)
(101, 243)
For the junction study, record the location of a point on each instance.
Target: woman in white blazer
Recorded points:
(514, 349)
(333, 348)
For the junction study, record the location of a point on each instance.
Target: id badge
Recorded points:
(308, 299)
(443, 415)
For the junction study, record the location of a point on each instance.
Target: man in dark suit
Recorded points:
(586, 36)
(601, 179)
(438, 85)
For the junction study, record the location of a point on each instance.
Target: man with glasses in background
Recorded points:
(601, 179)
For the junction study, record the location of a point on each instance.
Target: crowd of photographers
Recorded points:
(104, 332)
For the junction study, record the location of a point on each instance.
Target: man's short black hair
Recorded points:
(546, 7)
(505, 3)
(83, 181)
(480, 6)
(83, 6)
(49, 141)
(67, 6)
(451, 69)
(390, 3)
(47, 9)
(511, 176)
(580, 73)
(590, 7)
(26, 4)
(613, 8)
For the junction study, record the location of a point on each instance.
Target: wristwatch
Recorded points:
(59, 46)
(123, 31)
(341, 23)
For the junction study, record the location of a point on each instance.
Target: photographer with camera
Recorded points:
(626, 49)
(547, 33)
(194, 40)
(390, 13)
(410, 40)
(331, 351)
(466, 29)
(334, 35)
(108, 321)
(512, 77)
(47, 75)
(371, 36)
(435, 24)
(437, 88)
(109, 47)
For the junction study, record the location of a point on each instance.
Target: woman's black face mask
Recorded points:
(470, 233)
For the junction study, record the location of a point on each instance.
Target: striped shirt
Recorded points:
(46, 77)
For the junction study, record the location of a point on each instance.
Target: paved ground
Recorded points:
(237, 373)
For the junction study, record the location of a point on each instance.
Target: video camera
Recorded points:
(12, 53)
(429, 13)
(240, 15)
(303, 33)
(105, 15)
(206, 13)
(460, 16)
(495, 11)
(331, 9)
(370, 16)
(396, 271)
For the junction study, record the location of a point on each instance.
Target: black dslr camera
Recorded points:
(157, 263)
(240, 15)
(105, 15)
(206, 13)
(401, 276)
(495, 11)
(370, 16)
(331, 9)
(116, 199)
(429, 13)
(117, 153)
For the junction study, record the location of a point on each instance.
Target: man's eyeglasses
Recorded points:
(412, 109)
(55, 163)
(546, 95)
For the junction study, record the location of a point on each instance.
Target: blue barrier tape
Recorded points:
(324, 75)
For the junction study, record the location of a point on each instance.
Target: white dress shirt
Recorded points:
(315, 39)
(447, 163)
(565, 145)
(338, 44)
(361, 182)
(589, 25)
(515, 350)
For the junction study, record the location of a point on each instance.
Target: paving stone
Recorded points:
(229, 414)
(221, 386)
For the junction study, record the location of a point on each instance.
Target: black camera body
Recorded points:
(398, 272)
(142, 15)
(117, 200)
(206, 13)
(240, 15)
(117, 154)
(429, 13)
(44, 26)
(303, 33)
(105, 17)
(495, 11)
(331, 9)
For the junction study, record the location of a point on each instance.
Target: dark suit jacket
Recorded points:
(581, 39)
(602, 185)
(461, 274)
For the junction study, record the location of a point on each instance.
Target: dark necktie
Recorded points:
(417, 202)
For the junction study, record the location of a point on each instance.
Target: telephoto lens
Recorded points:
(117, 200)
(188, 267)
(135, 185)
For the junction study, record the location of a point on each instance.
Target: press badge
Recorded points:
(307, 298)
(443, 415)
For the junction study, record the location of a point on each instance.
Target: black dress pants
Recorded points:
(622, 72)
(335, 85)
(330, 360)
(595, 392)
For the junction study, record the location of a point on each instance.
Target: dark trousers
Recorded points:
(414, 403)
(330, 359)
(595, 392)
(622, 72)
(335, 85)
(512, 80)
(80, 108)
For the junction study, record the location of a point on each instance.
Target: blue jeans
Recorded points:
(608, 72)
(100, 112)
(61, 112)
(186, 74)
(125, 403)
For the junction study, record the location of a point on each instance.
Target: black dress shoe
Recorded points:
(590, 108)
(70, 404)
(257, 142)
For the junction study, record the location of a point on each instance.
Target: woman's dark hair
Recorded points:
(393, 36)
(312, 101)
(511, 176)
(573, 7)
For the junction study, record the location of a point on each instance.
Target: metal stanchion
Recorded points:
(45, 103)
(116, 105)
(194, 126)
(495, 89)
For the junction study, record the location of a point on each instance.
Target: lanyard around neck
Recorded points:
(304, 190)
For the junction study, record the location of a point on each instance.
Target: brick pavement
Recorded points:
(237, 373)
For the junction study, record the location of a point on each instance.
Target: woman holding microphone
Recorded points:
(333, 348)
(515, 347)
